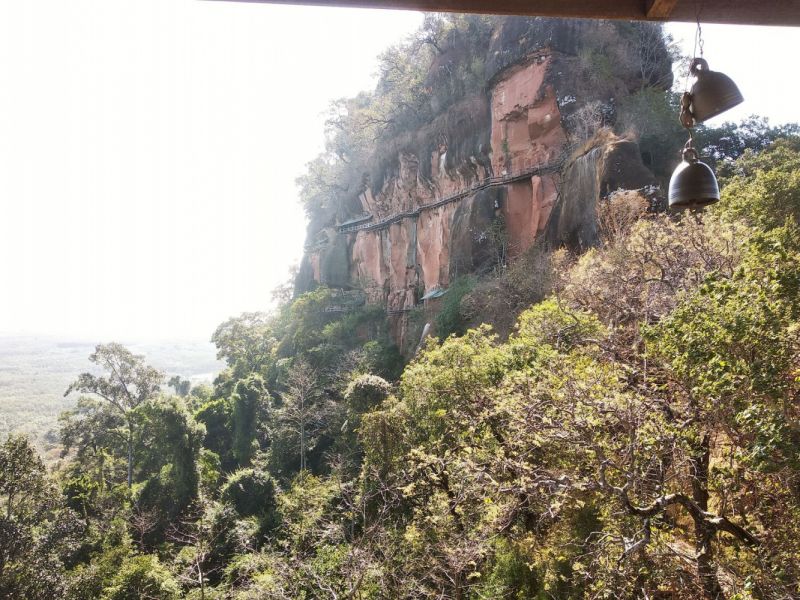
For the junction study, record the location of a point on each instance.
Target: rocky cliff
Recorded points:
(516, 147)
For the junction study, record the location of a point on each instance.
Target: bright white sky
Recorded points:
(148, 150)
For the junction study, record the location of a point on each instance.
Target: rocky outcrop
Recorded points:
(615, 165)
(471, 249)
(497, 151)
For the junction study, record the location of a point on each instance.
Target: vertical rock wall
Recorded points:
(511, 135)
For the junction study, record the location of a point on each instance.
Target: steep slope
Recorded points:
(419, 215)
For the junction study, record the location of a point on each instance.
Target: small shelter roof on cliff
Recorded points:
(741, 12)
(435, 293)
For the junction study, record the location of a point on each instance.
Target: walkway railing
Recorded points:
(338, 308)
(405, 309)
(487, 182)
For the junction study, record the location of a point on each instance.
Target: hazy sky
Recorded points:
(148, 150)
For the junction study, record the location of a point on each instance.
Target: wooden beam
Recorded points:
(734, 12)
(660, 8)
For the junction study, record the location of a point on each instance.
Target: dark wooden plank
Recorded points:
(660, 8)
(742, 12)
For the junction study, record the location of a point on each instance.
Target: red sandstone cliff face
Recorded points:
(527, 130)
(412, 257)
(516, 130)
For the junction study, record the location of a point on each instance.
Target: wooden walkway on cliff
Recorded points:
(338, 308)
(483, 184)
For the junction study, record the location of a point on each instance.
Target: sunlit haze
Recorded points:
(148, 150)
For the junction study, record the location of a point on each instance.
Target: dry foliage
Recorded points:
(617, 214)
(499, 300)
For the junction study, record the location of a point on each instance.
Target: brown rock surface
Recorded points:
(402, 263)
(587, 180)
(433, 248)
(527, 210)
(369, 266)
(526, 122)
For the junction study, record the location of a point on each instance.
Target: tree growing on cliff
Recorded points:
(129, 383)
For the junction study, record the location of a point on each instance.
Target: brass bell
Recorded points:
(693, 184)
(713, 93)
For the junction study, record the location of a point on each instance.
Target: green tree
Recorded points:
(250, 410)
(128, 384)
(246, 343)
(732, 346)
(729, 141)
(216, 416)
(143, 577)
(37, 532)
(180, 385)
(450, 319)
(169, 446)
(765, 189)
(251, 493)
(96, 431)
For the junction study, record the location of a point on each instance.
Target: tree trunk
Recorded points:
(130, 456)
(302, 445)
(202, 580)
(704, 532)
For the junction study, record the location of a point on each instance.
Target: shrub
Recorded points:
(366, 392)
(250, 492)
(450, 319)
(143, 577)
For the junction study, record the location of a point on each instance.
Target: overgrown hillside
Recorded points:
(609, 420)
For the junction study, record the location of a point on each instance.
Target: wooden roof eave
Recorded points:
(734, 12)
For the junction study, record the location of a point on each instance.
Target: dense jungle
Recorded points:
(616, 418)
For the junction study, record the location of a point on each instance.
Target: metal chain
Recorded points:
(700, 37)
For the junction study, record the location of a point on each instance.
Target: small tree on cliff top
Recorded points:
(128, 384)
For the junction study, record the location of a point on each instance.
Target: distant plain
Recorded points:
(35, 371)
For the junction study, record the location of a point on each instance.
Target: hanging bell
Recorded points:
(693, 184)
(713, 93)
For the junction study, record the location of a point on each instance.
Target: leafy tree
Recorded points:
(309, 319)
(651, 116)
(251, 493)
(96, 431)
(250, 403)
(729, 141)
(765, 191)
(245, 343)
(180, 385)
(143, 577)
(197, 537)
(367, 392)
(733, 347)
(450, 320)
(333, 544)
(22, 475)
(169, 446)
(38, 534)
(128, 384)
(216, 416)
